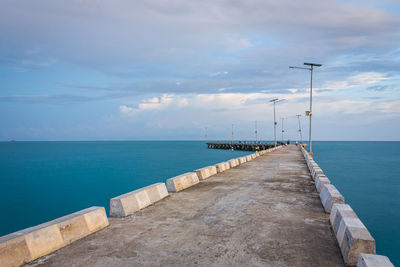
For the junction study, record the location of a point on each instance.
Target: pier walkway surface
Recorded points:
(262, 213)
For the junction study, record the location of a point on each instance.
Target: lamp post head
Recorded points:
(312, 64)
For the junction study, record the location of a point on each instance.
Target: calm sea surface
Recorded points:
(40, 181)
(368, 176)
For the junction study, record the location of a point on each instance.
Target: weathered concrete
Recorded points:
(330, 195)
(337, 213)
(206, 172)
(129, 203)
(320, 180)
(242, 160)
(32, 243)
(315, 172)
(354, 238)
(263, 213)
(223, 166)
(233, 163)
(181, 182)
(352, 235)
(371, 260)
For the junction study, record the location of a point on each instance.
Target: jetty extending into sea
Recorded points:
(249, 146)
(274, 207)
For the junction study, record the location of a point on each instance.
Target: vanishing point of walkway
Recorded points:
(262, 213)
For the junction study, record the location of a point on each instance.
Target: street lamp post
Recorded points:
(301, 135)
(256, 131)
(275, 100)
(309, 112)
(232, 135)
(282, 131)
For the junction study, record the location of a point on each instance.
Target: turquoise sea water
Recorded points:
(368, 176)
(40, 181)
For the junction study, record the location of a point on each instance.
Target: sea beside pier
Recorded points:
(272, 207)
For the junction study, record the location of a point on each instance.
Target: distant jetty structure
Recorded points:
(248, 146)
(273, 207)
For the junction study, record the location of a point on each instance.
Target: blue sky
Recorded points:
(127, 70)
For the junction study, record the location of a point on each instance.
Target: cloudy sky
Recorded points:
(157, 69)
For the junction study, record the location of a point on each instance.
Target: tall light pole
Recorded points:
(301, 135)
(275, 100)
(282, 130)
(232, 134)
(309, 112)
(256, 132)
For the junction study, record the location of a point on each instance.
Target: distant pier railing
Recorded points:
(250, 146)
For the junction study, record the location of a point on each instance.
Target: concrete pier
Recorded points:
(265, 212)
(249, 146)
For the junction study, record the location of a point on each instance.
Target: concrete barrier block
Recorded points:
(242, 160)
(354, 239)
(233, 163)
(13, 250)
(34, 242)
(316, 171)
(206, 172)
(372, 260)
(129, 203)
(223, 166)
(249, 158)
(338, 212)
(81, 223)
(330, 195)
(43, 239)
(320, 181)
(182, 182)
(312, 165)
(309, 164)
(156, 192)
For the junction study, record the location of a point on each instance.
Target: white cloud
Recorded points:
(361, 79)
(155, 103)
(234, 44)
(241, 106)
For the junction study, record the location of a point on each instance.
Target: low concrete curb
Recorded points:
(371, 260)
(223, 166)
(242, 160)
(320, 181)
(181, 182)
(337, 213)
(330, 195)
(354, 238)
(129, 203)
(352, 235)
(32, 243)
(206, 172)
(316, 171)
(233, 163)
